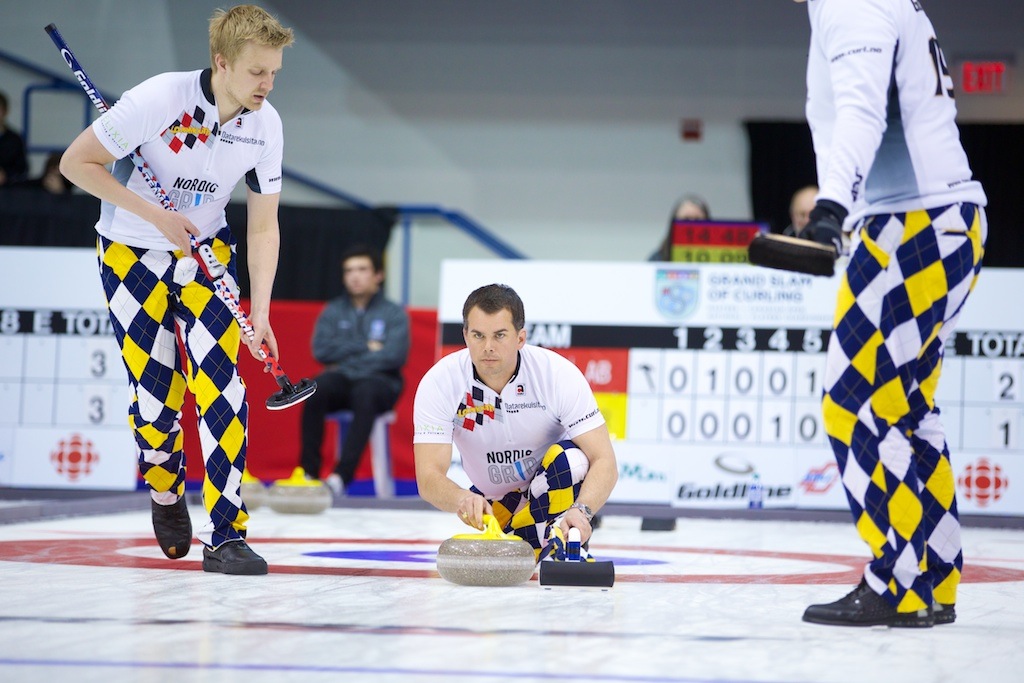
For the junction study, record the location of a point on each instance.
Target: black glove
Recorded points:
(826, 225)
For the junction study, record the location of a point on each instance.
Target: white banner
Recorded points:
(69, 458)
(647, 473)
(717, 477)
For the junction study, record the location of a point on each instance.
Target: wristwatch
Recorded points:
(585, 509)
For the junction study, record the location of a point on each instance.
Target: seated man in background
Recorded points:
(51, 180)
(363, 340)
(800, 209)
(526, 423)
(13, 160)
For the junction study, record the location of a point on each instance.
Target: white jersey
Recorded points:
(881, 110)
(503, 438)
(174, 119)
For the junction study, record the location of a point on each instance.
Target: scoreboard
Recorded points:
(709, 373)
(63, 387)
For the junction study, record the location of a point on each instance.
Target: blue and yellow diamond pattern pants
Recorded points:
(898, 303)
(530, 514)
(154, 296)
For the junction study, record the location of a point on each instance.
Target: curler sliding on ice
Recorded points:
(557, 463)
(290, 394)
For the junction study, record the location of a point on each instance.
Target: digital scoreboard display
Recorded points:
(713, 241)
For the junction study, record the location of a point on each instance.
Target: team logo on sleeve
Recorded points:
(474, 409)
(188, 129)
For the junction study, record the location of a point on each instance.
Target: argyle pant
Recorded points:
(530, 514)
(898, 303)
(154, 296)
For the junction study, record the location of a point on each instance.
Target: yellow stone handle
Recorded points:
(298, 478)
(491, 532)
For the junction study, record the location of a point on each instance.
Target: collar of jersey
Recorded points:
(206, 83)
(519, 363)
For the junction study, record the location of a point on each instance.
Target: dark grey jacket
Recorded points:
(341, 334)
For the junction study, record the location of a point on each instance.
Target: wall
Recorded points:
(274, 435)
(554, 124)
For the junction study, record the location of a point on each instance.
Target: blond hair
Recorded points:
(231, 29)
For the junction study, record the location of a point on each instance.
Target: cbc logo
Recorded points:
(74, 458)
(983, 482)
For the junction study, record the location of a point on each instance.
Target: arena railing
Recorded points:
(408, 213)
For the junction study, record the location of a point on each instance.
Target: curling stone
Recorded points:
(491, 558)
(254, 493)
(298, 495)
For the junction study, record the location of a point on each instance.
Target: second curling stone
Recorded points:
(298, 495)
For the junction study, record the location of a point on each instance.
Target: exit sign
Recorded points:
(984, 78)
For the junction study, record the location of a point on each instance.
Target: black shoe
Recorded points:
(944, 614)
(865, 607)
(173, 528)
(233, 557)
